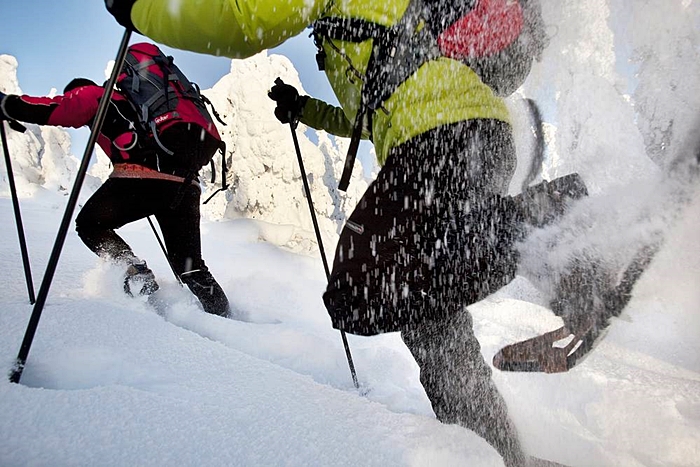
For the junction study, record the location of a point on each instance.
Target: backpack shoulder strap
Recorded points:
(348, 29)
(397, 53)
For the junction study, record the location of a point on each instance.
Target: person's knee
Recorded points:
(335, 298)
(86, 228)
(340, 297)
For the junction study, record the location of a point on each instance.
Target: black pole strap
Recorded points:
(15, 125)
(348, 355)
(15, 206)
(16, 372)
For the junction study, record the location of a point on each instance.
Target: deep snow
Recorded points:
(110, 381)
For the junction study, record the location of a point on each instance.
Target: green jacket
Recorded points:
(441, 92)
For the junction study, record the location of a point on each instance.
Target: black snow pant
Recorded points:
(458, 382)
(120, 201)
(431, 235)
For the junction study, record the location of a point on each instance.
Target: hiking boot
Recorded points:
(545, 202)
(139, 277)
(208, 291)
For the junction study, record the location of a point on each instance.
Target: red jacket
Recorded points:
(77, 108)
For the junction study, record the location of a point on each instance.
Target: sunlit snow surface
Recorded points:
(110, 381)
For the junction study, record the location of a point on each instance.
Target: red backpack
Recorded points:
(491, 26)
(169, 106)
(498, 39)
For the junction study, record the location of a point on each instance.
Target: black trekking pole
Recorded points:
(292, 126)
(165, 252)
(15, 205)
(16, 372)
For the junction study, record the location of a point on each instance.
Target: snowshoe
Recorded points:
(545, 202)
(560, 350)
(553, 352)
(139, 277)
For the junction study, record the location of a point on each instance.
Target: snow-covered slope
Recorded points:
(110, 382)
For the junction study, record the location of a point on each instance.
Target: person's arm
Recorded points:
(231, 28)
(323, 116)
(311, 112)
(74, 109)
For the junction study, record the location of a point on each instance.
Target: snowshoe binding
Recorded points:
(553, 352)
(139, 277)
(560, 350)
(547, 201)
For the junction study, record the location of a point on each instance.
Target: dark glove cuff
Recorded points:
(121, 10)
(3, 114)
(301, 103)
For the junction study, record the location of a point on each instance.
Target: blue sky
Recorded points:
(56, 41)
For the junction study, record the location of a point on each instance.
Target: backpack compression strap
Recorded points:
(224, 185)
(139, 70)
(397, 53)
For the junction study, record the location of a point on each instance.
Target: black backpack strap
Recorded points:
(348, 29)
(397, 53)
(352, 150)
(224, 170)
(208, 102)
(441, 14)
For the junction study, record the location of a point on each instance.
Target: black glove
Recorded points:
(14, 124)
(121, 10)
(2, 112)
(289, 102)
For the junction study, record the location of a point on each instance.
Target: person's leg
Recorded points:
(547, 201)
(181, 234)
(425, 233)
(371, 258)
(458, 382)
(116, 203)
(432, 235)
(210, 294)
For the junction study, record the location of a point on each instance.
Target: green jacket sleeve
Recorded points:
(322, 116)
(231, 28)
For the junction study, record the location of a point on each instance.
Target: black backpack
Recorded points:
(171, 112)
